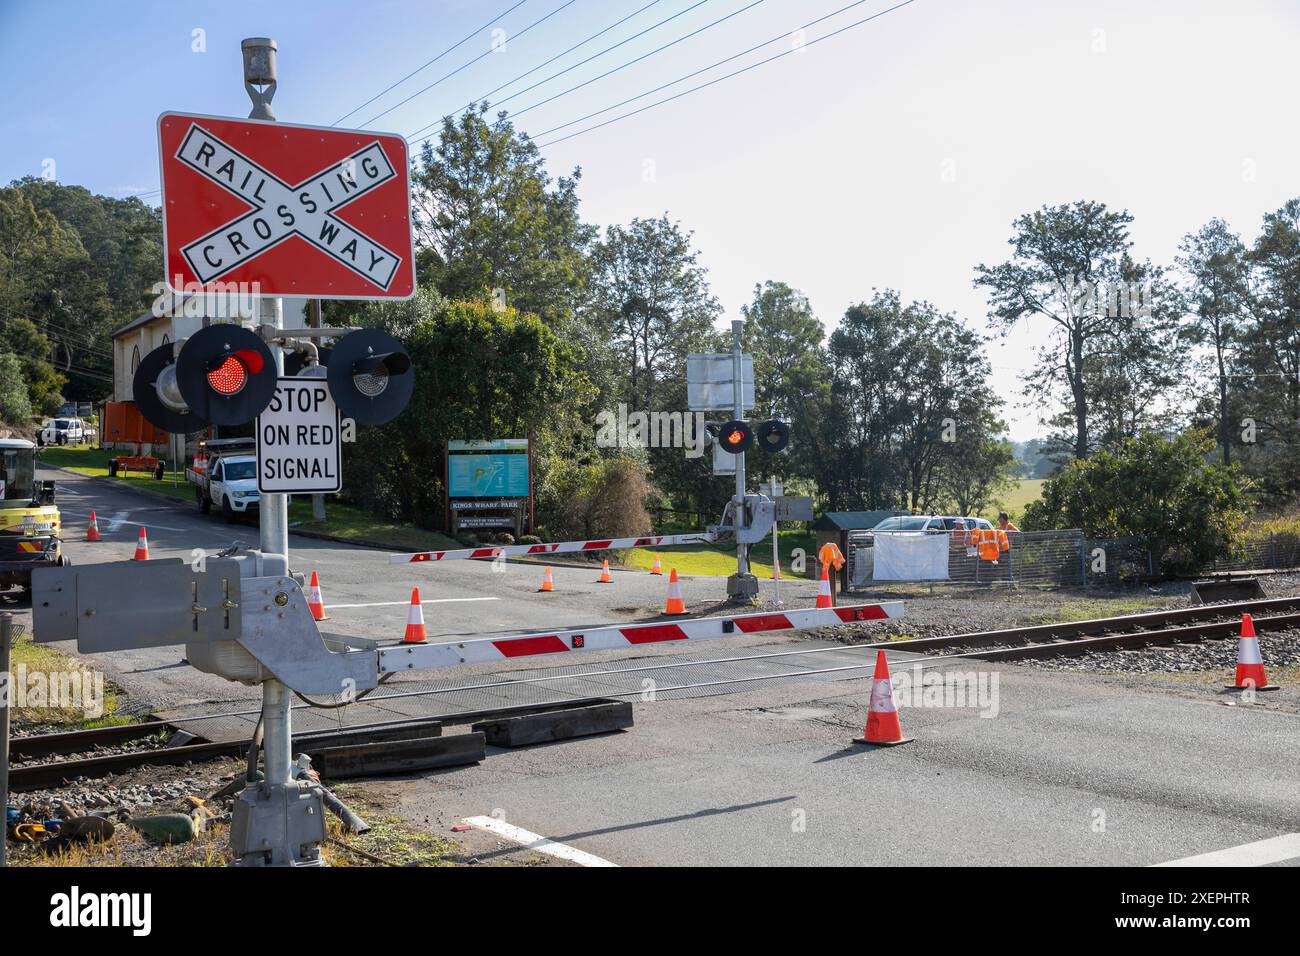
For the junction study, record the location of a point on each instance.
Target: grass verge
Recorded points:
(44, 678)
(719, 559)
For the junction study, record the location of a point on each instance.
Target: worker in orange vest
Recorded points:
(1005, 527)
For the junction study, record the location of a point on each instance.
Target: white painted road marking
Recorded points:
(115, 523)
(334, 607)
(1260, 853)
(532, 841)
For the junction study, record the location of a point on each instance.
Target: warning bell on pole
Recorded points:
(370, 376)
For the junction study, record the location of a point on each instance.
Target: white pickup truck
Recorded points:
(63, 431)
(227, 478)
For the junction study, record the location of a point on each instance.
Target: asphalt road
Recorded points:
(1072, 770)
(365, 594)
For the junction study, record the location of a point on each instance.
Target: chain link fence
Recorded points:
(1067, 558)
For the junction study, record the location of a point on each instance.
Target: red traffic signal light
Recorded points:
(226, 374)
(735, 437)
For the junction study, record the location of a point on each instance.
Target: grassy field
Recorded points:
(41, 667)
(720, 559)
(342, 520)
(1014, 500)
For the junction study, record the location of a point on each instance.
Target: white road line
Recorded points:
(532, 841)
(1260, 853)
(332, 607)
(115, 523)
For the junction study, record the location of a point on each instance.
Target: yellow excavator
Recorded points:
(30, 526)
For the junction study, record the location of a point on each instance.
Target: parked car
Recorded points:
(61, 431)
(226, 476)
(925, 524)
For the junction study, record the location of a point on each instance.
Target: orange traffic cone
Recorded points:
(604, 574)
(824, 589)
(415, 621)
(1250, 663)
(675, 603)
(548, 583)
(314, 601)
(883, 728)
(141, 547)
(657, 569)
(92, 533)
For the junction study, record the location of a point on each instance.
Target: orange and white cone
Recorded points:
(675, 603)
(657, 569)
(883, 728)
(548, 583)
(415, 621)
(92, 532)
(824, 589)
(776, 571)
(604, 574)
(314, 601)
(1250, 663)
(141, 547)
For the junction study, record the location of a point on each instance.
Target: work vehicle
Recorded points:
(224, 473)
(62, 431)
(30, 524)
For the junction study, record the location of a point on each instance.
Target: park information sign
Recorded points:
(298, 210)
(298, 447)
(489, 484)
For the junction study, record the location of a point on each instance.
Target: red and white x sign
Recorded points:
(298, 210)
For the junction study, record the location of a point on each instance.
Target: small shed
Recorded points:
(836, 525)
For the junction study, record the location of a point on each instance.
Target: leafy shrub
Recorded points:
(605, 498)
(1186, 507)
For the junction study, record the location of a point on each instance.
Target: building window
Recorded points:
(135, 359)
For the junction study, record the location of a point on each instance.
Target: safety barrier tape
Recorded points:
(558, 547)
(485, 650)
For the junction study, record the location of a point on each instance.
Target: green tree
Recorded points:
(488, 215)
(25, 340)
(1062, 258)
(1217, 289)
(1186, 507)
(1268, 360)
(909, 385)
(649, 298)
(480, 372)
(15, 406)
(791, 373)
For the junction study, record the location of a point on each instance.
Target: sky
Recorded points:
(895, 154)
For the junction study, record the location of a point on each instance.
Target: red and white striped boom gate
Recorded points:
(558, 547)
(405, 657)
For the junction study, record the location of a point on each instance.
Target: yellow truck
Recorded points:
(30, 526)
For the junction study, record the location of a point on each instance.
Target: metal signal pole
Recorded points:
(273, 509)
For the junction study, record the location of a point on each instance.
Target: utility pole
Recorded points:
(273, 509)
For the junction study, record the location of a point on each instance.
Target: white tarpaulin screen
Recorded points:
(910, 557)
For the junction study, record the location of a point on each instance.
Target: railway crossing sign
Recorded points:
(299, 210)
(298, 443)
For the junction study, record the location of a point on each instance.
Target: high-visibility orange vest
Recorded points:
(1004, 540)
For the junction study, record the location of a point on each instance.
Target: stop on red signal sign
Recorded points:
(299, 210)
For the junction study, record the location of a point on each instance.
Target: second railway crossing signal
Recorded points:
(226, 374)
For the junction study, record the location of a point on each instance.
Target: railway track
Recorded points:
(35, 770)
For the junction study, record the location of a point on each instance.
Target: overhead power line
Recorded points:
(727, 76)
(458, 43)
(643, 56)
(479, 99)
(688, 76)
(488, 52)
